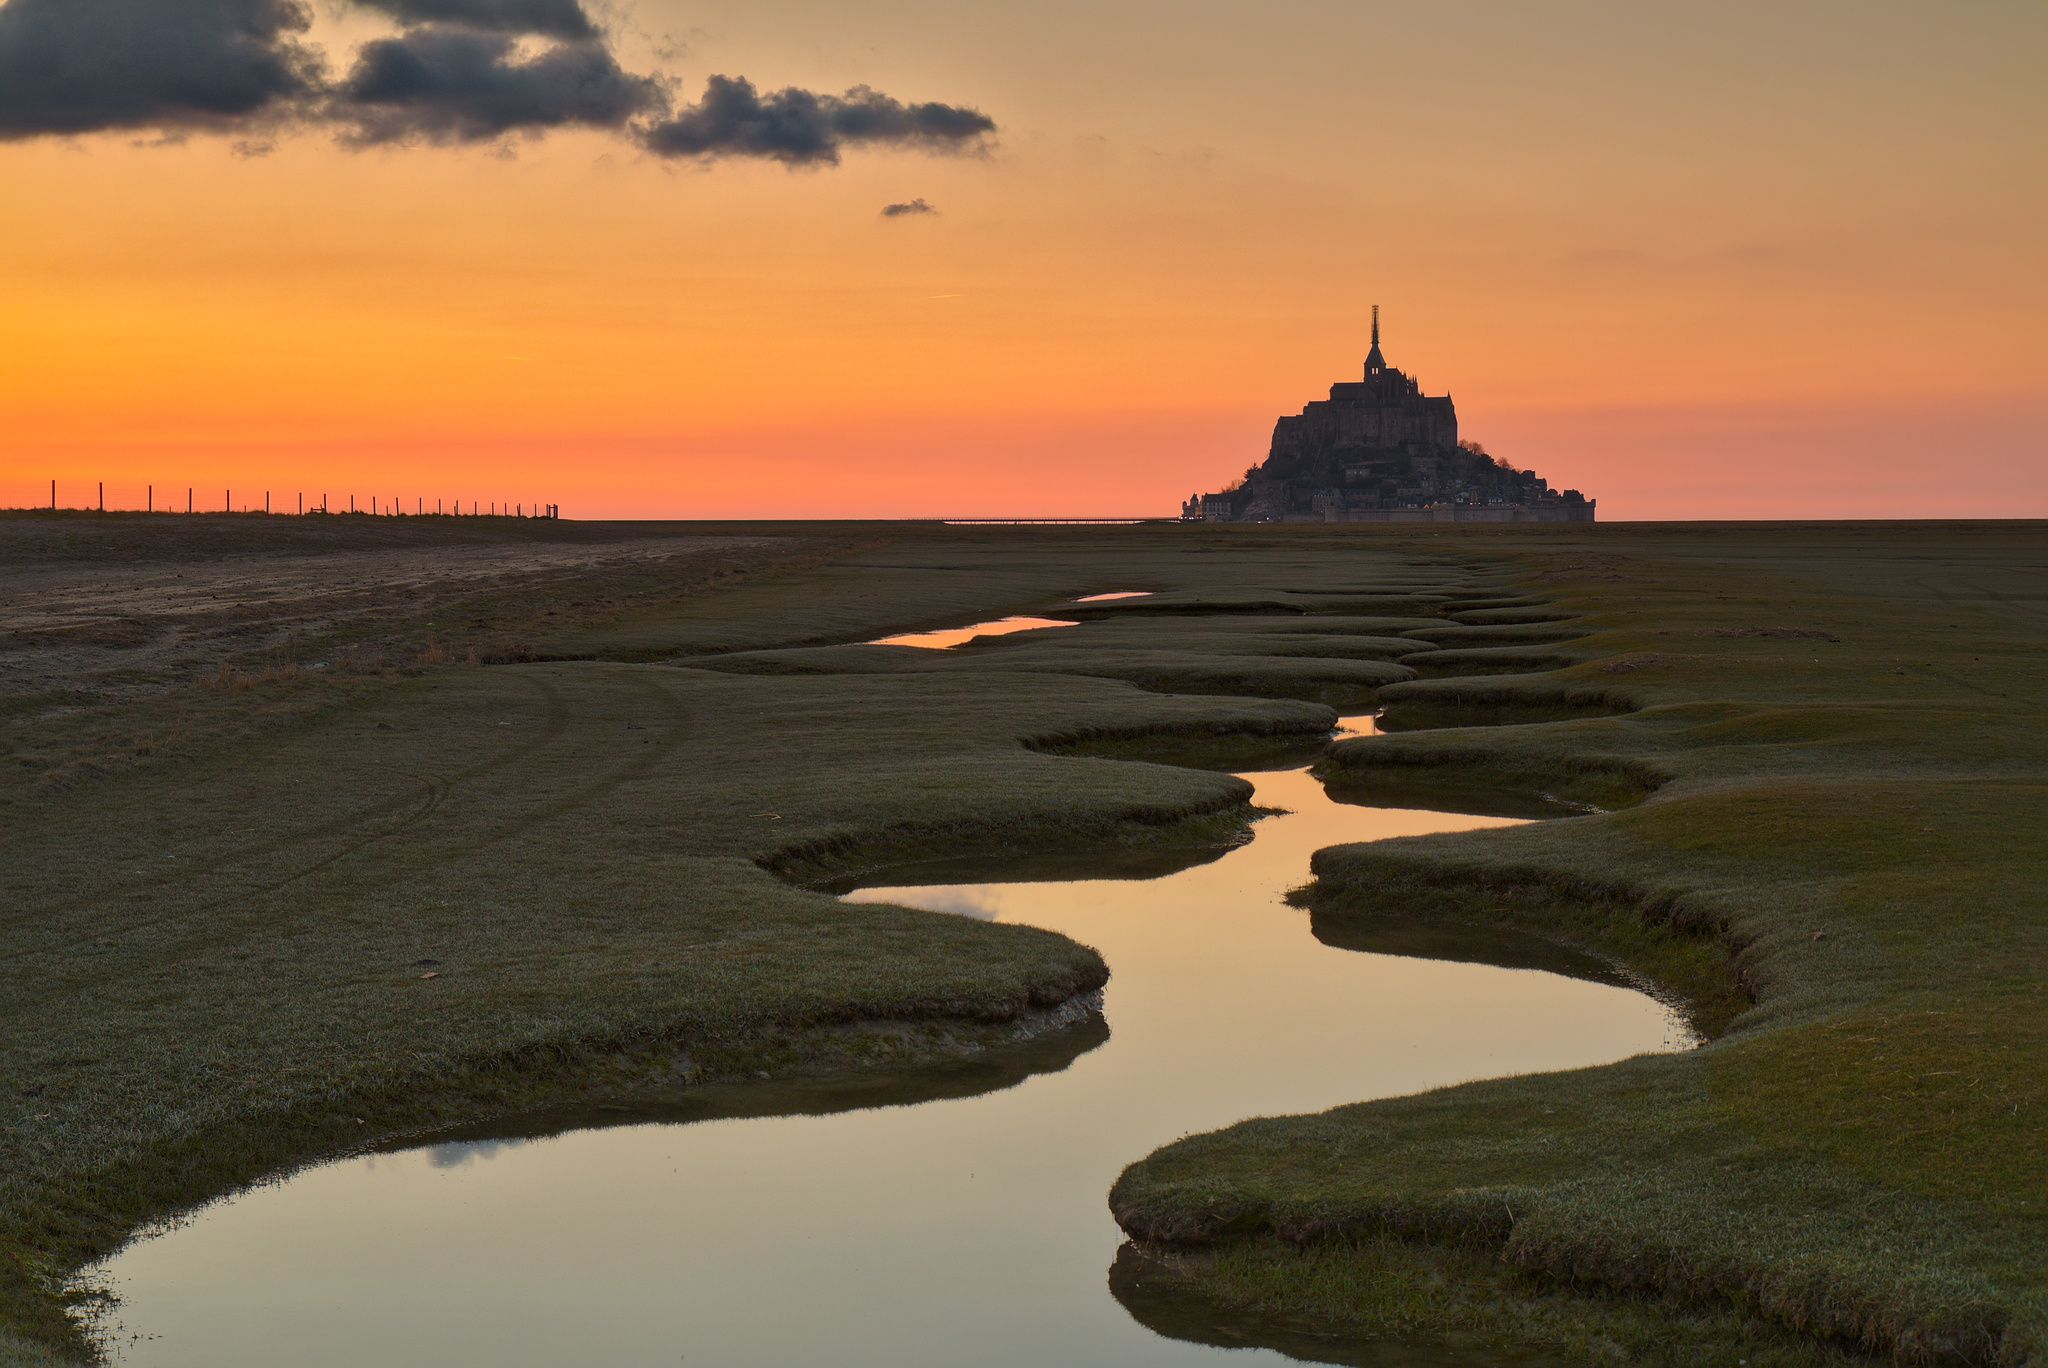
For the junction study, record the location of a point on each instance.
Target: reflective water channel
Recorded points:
(946, 638)
(957, 1216)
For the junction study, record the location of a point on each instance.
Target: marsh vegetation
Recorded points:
(906, 1232)
(547, 841)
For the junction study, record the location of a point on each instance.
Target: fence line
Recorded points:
(381, 506)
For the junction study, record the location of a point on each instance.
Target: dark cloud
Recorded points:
(460, 71)
(803, 128)
(553, 18)
(82, 66)
(462, 85)
(907, 209)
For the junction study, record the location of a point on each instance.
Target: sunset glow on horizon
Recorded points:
(1746, 262)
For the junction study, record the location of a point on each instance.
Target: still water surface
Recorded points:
(946, 638)
(962, 1229)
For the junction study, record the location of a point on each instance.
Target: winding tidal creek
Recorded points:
(955, 1217)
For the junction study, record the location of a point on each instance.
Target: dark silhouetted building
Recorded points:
(1380, 450)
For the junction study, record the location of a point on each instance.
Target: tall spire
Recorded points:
(1375, 325)
(1374, 362)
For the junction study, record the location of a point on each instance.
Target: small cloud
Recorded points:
(803, 128)
(668, 47)
(907, 209)
(249, 149)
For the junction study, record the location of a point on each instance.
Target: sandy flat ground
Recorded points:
(83, 616)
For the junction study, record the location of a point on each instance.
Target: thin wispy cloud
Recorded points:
(917, 208)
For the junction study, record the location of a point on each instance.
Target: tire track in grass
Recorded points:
(411, 811)
(653, 753)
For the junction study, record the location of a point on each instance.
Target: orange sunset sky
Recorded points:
(1730, 260)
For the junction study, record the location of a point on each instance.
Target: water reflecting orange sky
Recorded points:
(946, 638)
(970, 1229)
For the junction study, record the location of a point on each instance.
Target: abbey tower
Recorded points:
(1380, 450)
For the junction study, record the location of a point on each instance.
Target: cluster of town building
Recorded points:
(1380, 450)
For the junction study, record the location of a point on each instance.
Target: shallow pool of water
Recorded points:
(946, 638)
(968, 1228)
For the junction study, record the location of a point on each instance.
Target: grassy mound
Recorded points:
(428, 889)
(324, 875)
(1836, 748)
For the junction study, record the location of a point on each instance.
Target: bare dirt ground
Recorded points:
(85, 615)
(102, 613)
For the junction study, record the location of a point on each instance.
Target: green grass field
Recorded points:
(1831, 781)
(285, 878)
